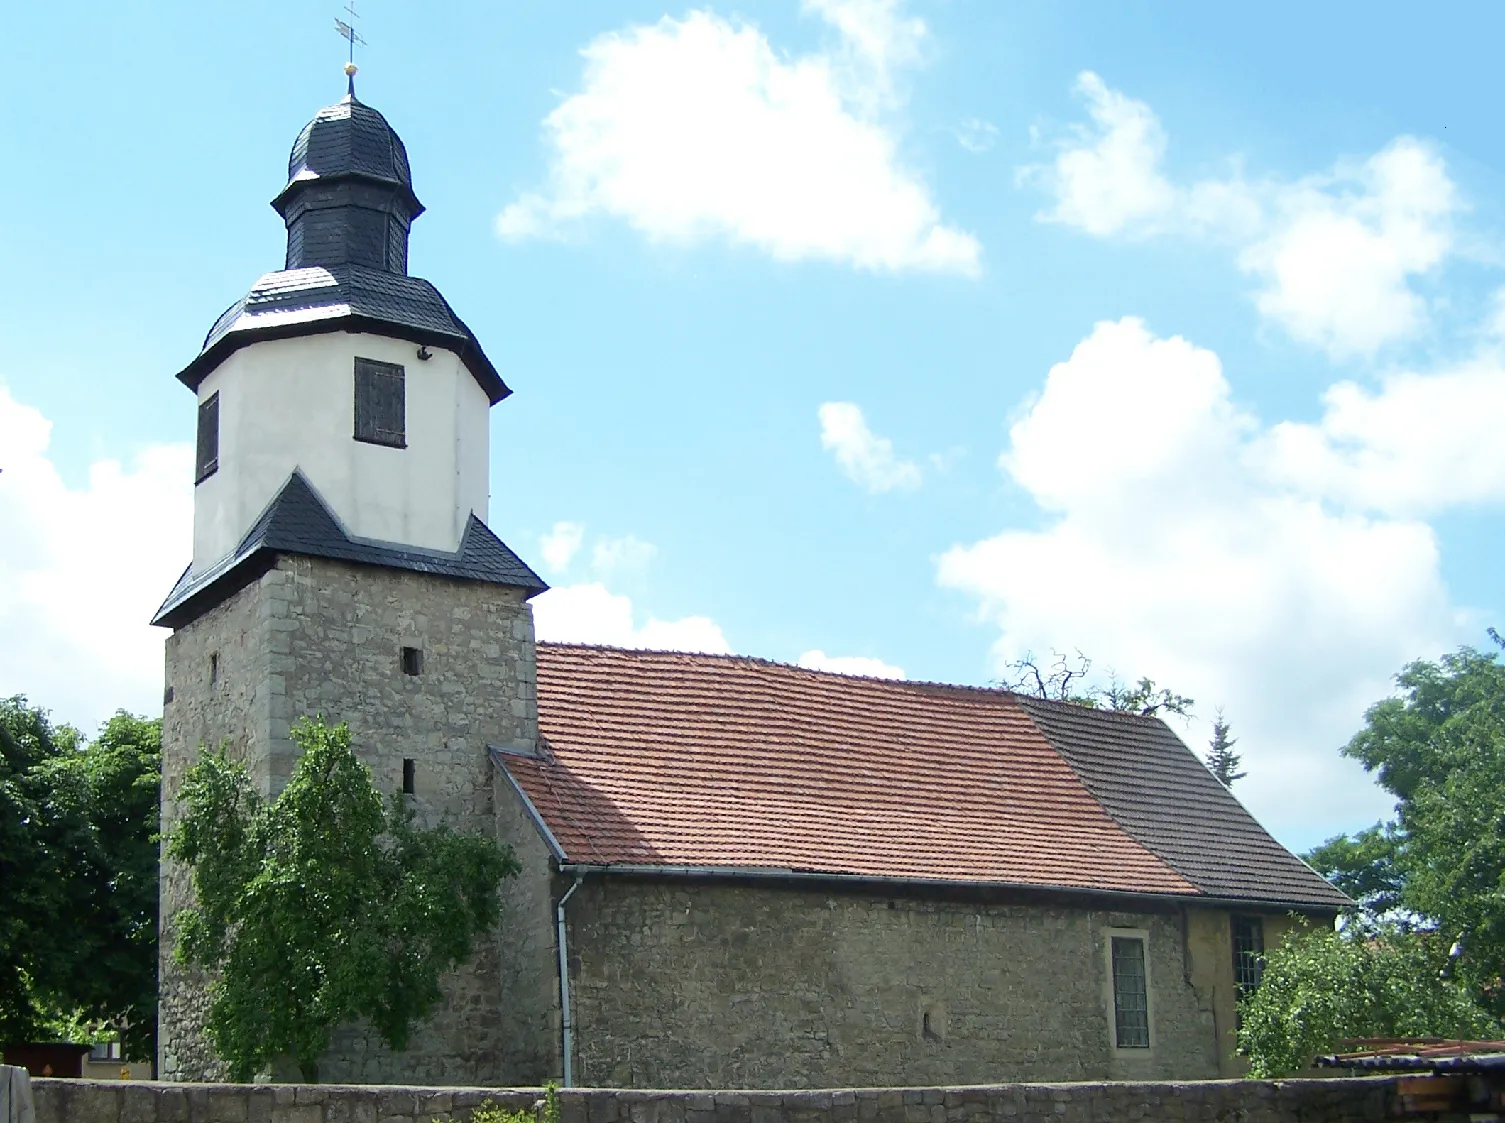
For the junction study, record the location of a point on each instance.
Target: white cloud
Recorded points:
(1173, 550)
(622, 556)
(863, 665)
(590, 613)
(1107, 178)
(82, 569)
(560, 545)
(977, 135)
(1337, 261)
(866, 458)
(697, 128)
(1420, 444)
(1334, 254)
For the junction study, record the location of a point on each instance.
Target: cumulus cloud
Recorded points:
(560, 545)
(1334, 254)
(698, 128)
(624, 556)
(866, 458)
(863, 665)
(1173, 548)
(591, 613)
(1418, 445)
(83, 568)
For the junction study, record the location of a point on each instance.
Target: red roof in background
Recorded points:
(657, 759)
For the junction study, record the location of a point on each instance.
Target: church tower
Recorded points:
(342, 565)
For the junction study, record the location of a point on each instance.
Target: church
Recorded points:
(736, 873)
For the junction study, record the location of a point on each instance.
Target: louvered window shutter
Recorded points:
(380, 403)
(207, 459)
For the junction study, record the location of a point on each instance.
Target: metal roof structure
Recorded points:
(298, 521)
(348, 206)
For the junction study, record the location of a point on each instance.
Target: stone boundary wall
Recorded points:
(1213, 1101)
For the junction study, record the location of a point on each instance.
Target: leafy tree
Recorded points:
(1364, 866)
(1065, 680)
(1322, 987)
(78, 855)
(1439, 747)
(1222, 761)
(322, 906)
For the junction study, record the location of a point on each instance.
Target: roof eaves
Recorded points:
(766, 873)
(466, 347)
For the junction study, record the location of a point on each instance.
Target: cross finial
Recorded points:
(352, 36)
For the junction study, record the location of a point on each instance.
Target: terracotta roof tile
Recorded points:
(671, 759)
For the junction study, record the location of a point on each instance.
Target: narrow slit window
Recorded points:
(214, 668)
(1248, 952)
(409, 776)
(1131, 1005)
(412, 661)
(207, 459)
(380, 404)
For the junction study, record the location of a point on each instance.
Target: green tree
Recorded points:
(1222, 761)
(78, 855)
(1439, 865)
(322, 906)
(1321, 987)
(1065, 679)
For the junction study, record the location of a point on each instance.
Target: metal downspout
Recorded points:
(564, 985)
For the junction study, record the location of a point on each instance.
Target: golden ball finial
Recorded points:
(350, 69)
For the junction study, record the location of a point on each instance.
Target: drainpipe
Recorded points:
(564, 984)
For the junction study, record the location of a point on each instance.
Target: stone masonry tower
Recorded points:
(342, 565)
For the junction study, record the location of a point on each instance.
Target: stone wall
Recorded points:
(1309, 1101)
(316, 637)
(714, 985)
(530, 968)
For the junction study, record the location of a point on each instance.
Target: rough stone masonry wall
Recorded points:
(1245, 1101)
(711, 985)
(217, 695)
(319, 637)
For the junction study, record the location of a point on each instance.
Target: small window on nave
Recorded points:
(380, 403)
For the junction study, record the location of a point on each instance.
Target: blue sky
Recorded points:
(920, 333)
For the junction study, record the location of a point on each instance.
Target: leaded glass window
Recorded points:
(1248, 952)
(1131, 999)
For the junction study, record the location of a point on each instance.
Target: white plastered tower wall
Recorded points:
(288, 404)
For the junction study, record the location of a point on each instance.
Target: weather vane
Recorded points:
(352, 36)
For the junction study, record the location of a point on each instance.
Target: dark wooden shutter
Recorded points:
(207, 460)
(380, 403)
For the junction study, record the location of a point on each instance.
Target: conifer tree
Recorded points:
(1222, 761)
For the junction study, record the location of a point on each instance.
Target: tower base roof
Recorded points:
(298, 521)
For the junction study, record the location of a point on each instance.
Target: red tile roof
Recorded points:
(663, 759)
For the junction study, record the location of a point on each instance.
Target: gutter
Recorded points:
(567, 1021)
(768, 873)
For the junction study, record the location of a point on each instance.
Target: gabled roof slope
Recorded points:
(1164, 797)
(663, 760)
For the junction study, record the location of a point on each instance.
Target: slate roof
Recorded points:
(347, 147)
(298, 521)
(347, 297)
(350, 138)
(704, 764)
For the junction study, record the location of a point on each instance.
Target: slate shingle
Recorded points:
(298, 521)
